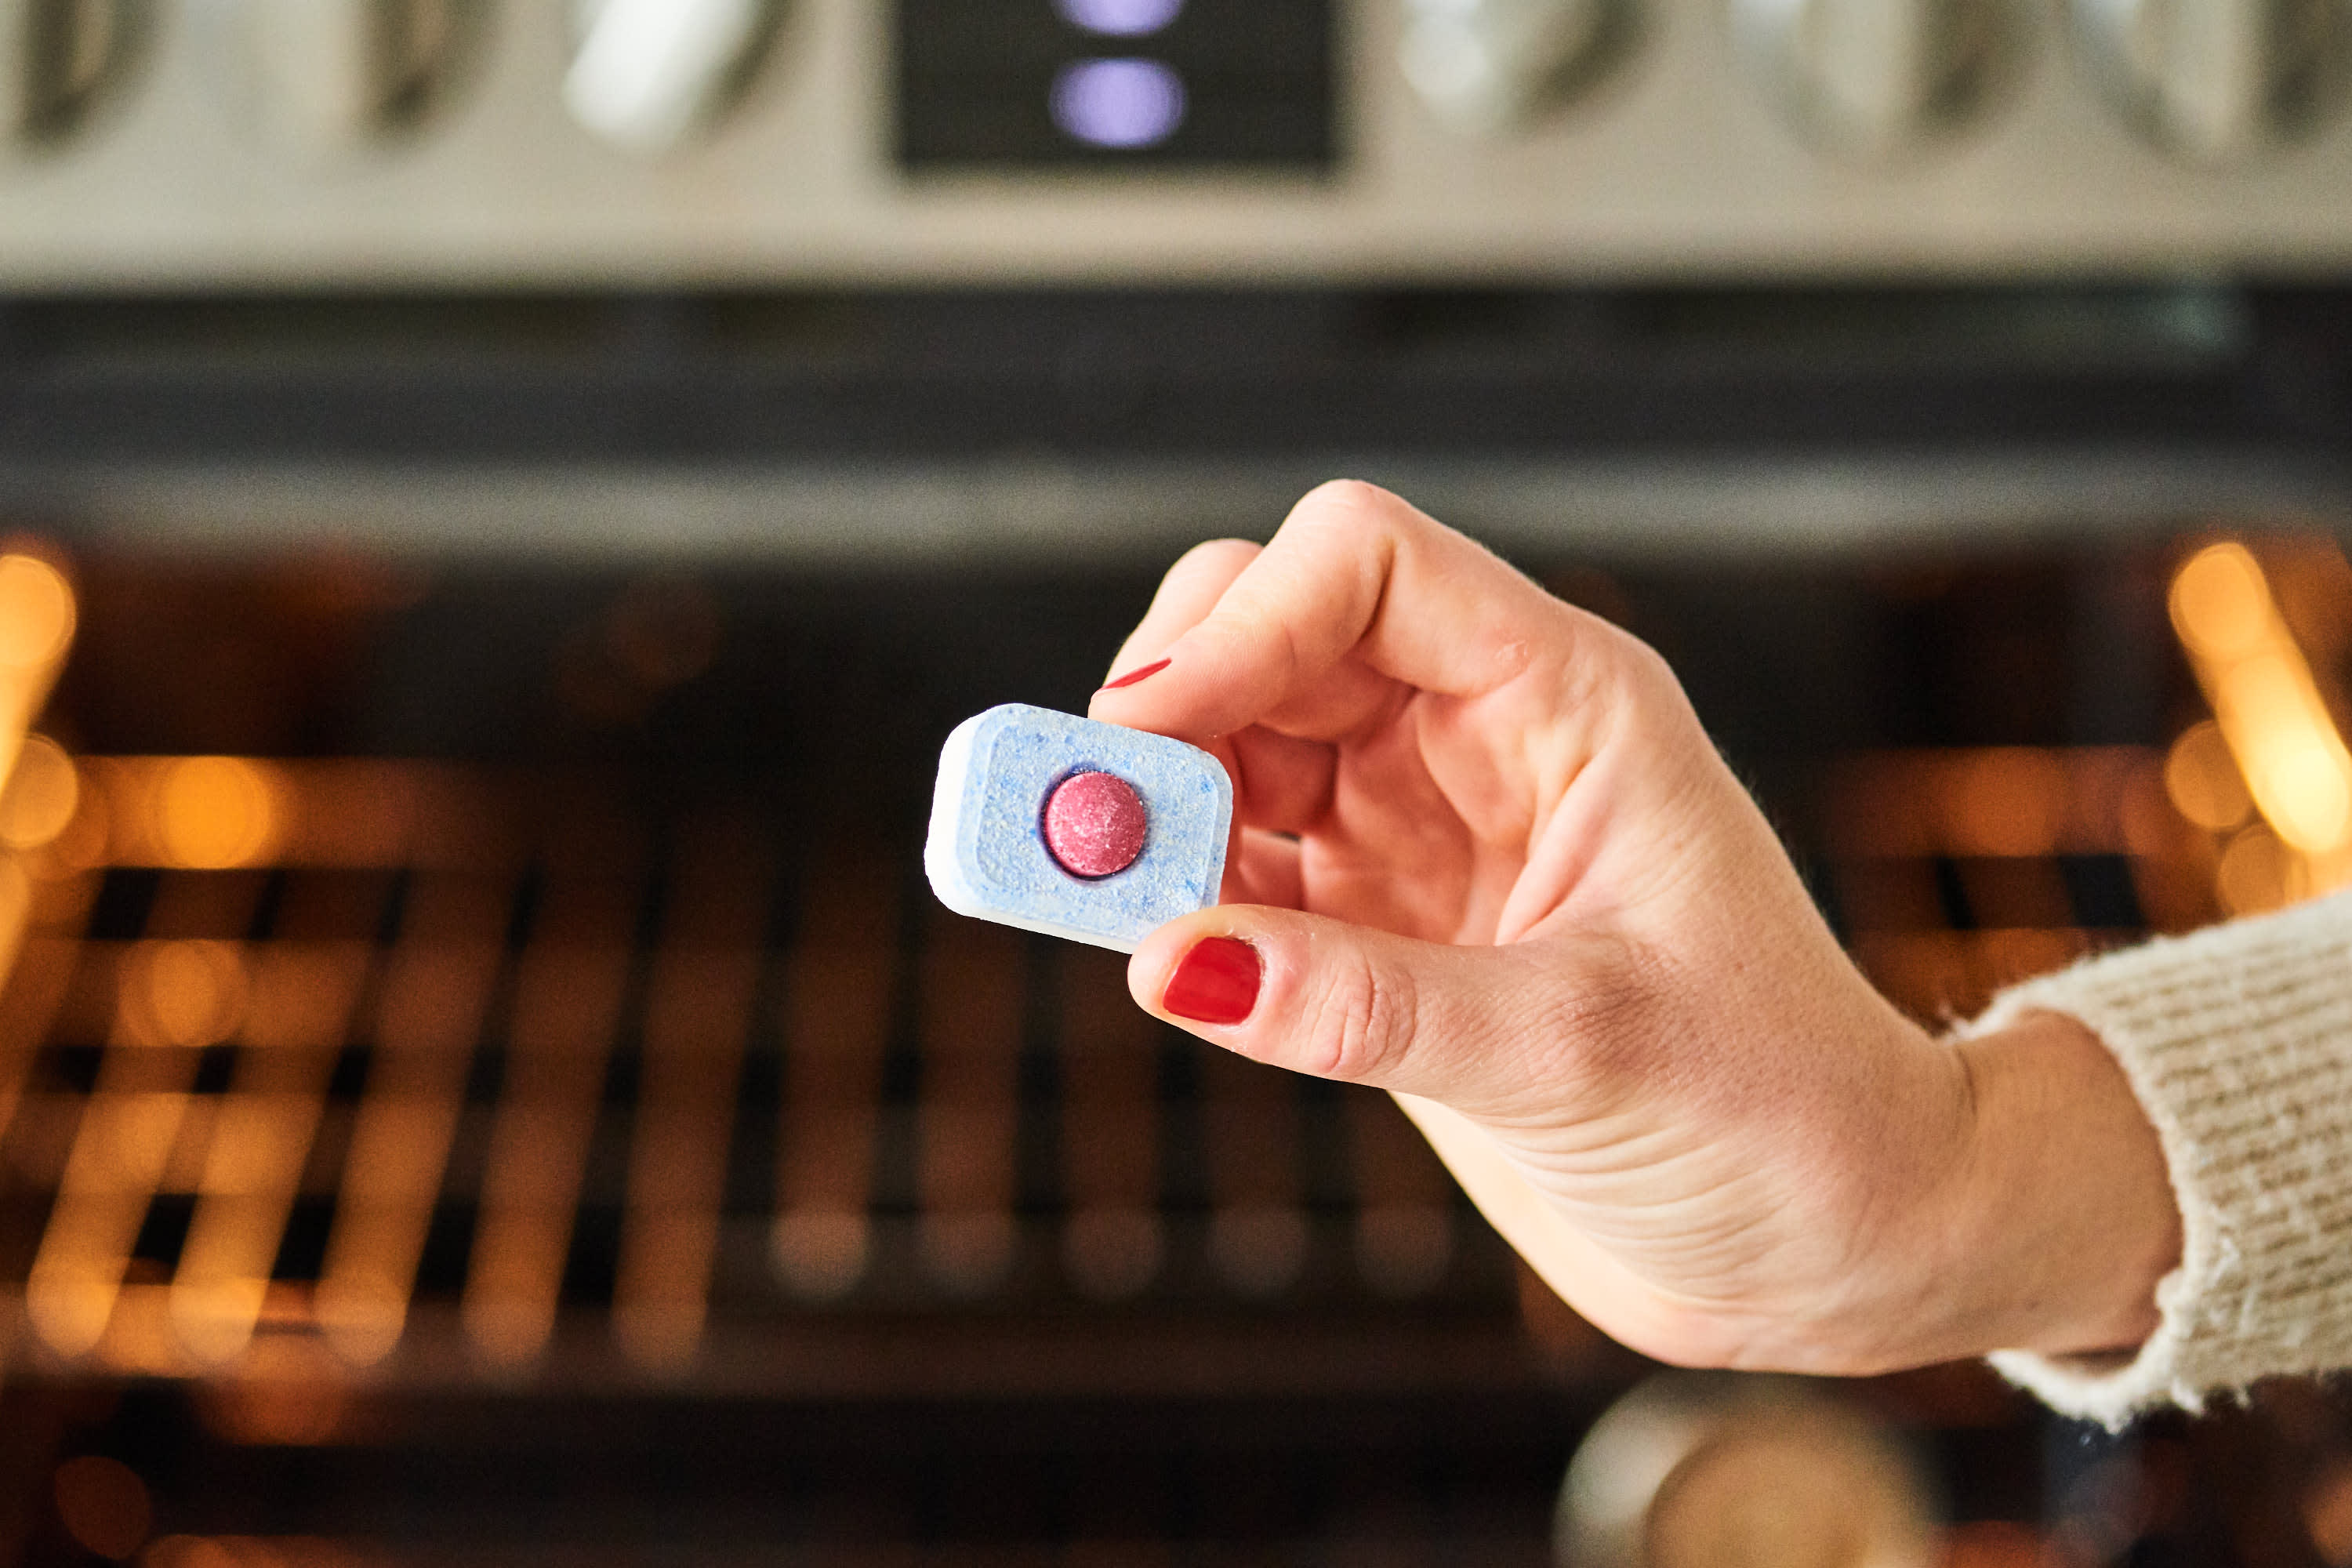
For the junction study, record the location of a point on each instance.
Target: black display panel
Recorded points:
(1109, 83)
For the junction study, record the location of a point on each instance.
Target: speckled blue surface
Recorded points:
(987, 854)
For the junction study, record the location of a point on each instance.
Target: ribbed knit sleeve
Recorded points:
(2238, 1041)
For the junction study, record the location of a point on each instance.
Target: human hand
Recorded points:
(1486, 857)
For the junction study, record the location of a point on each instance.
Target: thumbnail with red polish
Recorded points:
(1132, 676)
(1215, 983)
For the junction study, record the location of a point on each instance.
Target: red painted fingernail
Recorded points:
(1215, 983)
(1132, 676)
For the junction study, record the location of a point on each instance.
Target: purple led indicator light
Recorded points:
(1121, 103)
(1120, 19)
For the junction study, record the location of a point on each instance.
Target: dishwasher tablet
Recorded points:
(1075, 828)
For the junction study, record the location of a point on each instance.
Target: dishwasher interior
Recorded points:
(483, 1079)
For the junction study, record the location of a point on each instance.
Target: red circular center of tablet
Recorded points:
(1095, 823)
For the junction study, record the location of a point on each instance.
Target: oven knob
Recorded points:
(57, 57)
(646, 75)
(1487, 66)
(1869, 77)
(329, 76)
(2213, 80)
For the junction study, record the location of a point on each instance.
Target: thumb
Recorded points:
(1459, 1024)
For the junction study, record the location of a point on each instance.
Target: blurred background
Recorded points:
(503, 499)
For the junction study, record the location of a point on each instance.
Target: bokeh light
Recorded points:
(2328, 1513)
(1121, 19)
(103, 1505)
(1122, 104)
(36, 612)
(183, 993)
(2257, 873)
(2201, 779)
(821, 1254)
(2006, 800)
(2268, 707)
(2220, 604)
(217, 812)
(41, 795)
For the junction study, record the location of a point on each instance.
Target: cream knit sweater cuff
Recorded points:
(2238, 1041)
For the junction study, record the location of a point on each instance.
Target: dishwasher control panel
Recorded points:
(593, 143)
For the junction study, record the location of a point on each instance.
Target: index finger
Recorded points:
(1354, 570)
(1188, 593)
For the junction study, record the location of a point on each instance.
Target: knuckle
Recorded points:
(1347, 495)
(1217, 554)
(1212, 561)
(1350, 509)
(1360, 1021)
(1601, 1019)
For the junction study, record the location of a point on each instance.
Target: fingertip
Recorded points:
(1137, 676)
(1212, 559)
(1202, 972)
(1154, 959)
(1344, 491)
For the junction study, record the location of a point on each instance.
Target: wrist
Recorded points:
(2061, 1219)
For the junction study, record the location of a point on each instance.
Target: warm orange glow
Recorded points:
(36, 626)
(567, 1006)
(2005, 800)
(103, 1505)
(182, 993)
(700, 1003)
(303, 994)
(1991, 801)
(2269, 708)
(840, 985)
(2258, 873)
(2327, 1514)
(2221, 604)
(820, 1255)
(1994, 1543)
(117, 1157)
(214, 813)
(37, 612)
(697, 1015)
(433, 997)
(250, 1551)
(2201, 779)
(1932, 972)
(41, 795)
(280, 1408)
(189, 1551)
(16, 913)
(218, 812)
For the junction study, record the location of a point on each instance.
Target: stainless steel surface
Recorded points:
(1677, 164)
(1874, 77)
(2220, 81)
(56, 57)
(1041, 512)
(1494, 66)
(314, 81)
